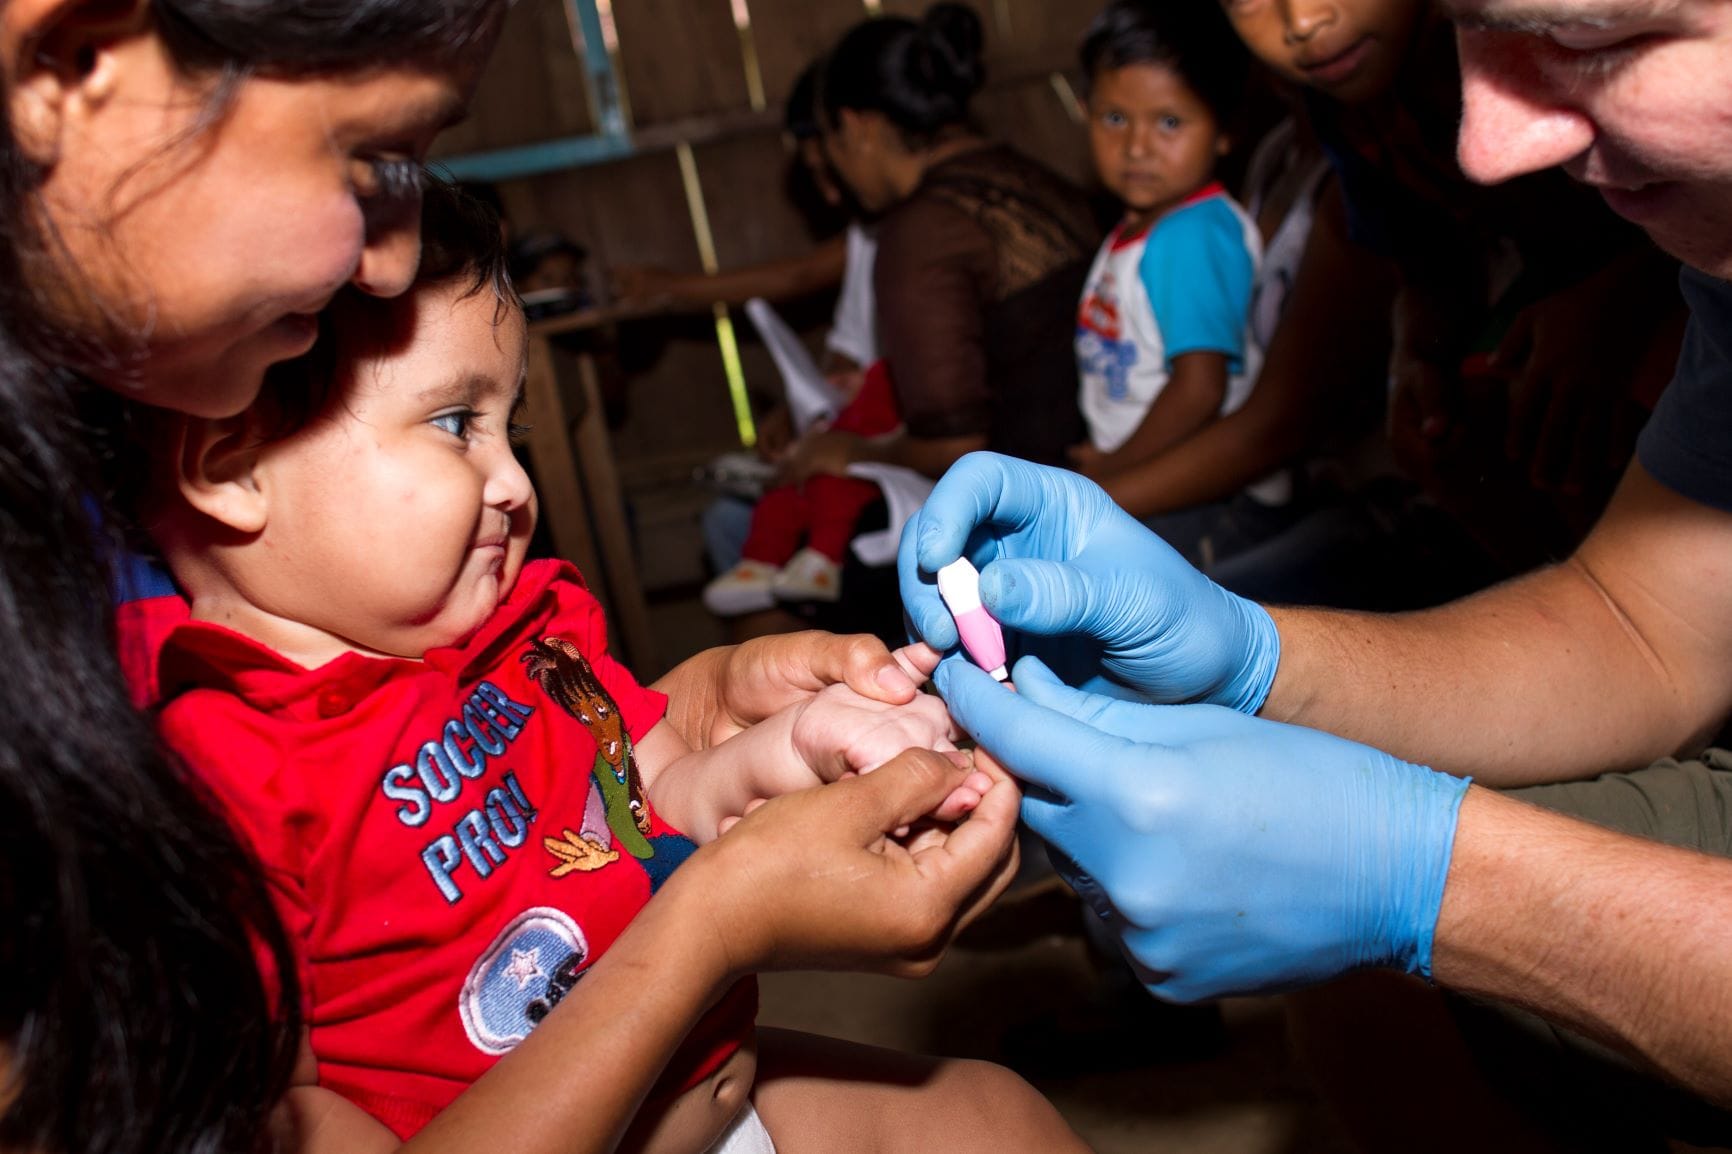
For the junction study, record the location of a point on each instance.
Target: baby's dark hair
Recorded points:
(919, 76)
(1191, 37)
(460, 244)
(460, 239)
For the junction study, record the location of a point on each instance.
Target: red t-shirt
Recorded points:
(452, 842)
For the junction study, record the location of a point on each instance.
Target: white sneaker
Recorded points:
(743, 589)
(809, 576)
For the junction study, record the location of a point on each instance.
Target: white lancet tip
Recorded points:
(959, 585)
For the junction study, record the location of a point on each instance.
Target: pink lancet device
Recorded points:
(959, 585)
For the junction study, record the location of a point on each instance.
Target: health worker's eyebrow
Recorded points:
(1550, 16)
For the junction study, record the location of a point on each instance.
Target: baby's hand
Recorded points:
(831, 734)
(841, 732)
(837, 732)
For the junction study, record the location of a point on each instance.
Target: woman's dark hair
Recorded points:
(1191, 37)
(133, 1016)
(919, 76)
(304, 37)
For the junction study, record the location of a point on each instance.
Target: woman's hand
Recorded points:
(721, 691)
(647, 286)
(826, 451)
(775, 433)
(817, 880)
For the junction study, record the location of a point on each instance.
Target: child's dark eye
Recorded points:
(1171, 124)
(1113, 119)
(456, 423)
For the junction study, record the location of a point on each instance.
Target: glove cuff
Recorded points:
(1248, 688)
(1435, 809)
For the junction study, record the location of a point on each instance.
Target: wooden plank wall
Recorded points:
(679, 58)
(533, 88)
(790, 34)
(681, 64)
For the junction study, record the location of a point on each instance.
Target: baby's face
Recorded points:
(400, 517)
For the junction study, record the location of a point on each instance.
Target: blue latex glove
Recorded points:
(1229, 854)
(1058, 559)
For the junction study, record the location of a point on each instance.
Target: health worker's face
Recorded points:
(1154, 140)
(399, 518)
(1633, 97)
(1350, 50)
(200, 253)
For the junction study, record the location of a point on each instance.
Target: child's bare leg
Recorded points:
(820, 1095)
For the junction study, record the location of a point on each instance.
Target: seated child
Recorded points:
(800, 533)
(1162, 342)
(460, 800)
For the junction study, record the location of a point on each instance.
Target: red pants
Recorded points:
(825, 509)
(821, 514)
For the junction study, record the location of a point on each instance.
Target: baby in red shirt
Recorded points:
(459, 798)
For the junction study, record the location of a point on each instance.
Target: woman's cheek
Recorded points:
(324, 248)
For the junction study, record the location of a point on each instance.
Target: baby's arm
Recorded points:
(834, 733)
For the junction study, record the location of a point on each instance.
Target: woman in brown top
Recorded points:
(981, 253)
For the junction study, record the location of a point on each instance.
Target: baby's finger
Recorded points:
(728, 823)
(918, 660)
(964, 798)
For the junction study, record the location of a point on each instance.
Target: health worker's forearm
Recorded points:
(1624, 940)
(1609, 660)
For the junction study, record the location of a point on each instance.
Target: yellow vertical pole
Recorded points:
(730, 348)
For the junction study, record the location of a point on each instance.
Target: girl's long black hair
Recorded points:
(133, 1013)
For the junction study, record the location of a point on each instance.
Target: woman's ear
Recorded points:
(215, 462)
(58, 54)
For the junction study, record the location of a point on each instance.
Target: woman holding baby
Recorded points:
(187, 184)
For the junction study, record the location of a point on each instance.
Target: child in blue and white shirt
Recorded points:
(1163, 333)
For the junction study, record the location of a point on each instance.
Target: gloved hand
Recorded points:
(1230, 854)
(1058, 558)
